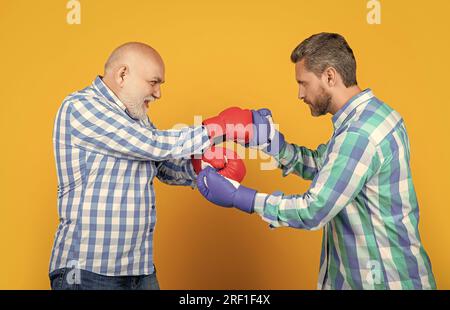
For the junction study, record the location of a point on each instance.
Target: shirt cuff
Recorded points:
(286, 159)
(205, 140)
(286, 155)
(260, 202)
(191, 173)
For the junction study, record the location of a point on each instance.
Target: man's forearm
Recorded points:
(177, 172)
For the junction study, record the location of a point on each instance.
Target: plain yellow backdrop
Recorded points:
(217, 54)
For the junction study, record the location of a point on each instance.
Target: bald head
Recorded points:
(134, 72)
(131, 54)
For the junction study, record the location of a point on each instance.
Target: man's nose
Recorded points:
(301, 93)
(157, 93)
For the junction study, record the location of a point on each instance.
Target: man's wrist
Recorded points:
(259, 203)
(276, 144)
(286, 154)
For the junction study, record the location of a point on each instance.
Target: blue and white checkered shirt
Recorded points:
(106, 162)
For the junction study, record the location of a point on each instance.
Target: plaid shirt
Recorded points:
(363, 197)
(106, 162)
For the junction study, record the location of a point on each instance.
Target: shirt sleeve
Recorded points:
(98, 128)
(301, 161)
(177, 172)
(350, 162)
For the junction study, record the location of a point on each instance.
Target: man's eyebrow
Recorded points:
(159, 80)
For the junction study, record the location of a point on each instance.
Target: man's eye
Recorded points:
(153, 83)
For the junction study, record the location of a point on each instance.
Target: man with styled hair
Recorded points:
(361, 195)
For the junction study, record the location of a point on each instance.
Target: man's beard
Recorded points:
(321, 104)
(138, 109)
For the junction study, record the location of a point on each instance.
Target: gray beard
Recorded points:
(137, 111)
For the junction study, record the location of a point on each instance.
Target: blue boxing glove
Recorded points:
(265, 136)
(225, 192)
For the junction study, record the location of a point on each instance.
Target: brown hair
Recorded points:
(324, 50)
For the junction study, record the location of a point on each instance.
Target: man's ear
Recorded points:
(121, 75)
(330, 76)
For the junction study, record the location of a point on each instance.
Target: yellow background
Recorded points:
(217, 54)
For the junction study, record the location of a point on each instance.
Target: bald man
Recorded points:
(107, 154)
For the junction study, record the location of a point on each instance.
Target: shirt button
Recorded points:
(153, 206)
(151, 229)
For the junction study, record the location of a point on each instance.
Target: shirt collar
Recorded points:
(341, 115)
(107, 93)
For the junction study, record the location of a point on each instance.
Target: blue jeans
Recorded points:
(77, 279)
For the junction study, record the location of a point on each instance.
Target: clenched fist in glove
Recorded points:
(265, 136)
(222, 192)
(225, 161)
(231, 124)
(252, 128)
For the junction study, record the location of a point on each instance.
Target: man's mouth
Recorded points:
(147, 102)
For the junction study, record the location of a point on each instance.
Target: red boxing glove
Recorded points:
(231, 124)
(224, 160)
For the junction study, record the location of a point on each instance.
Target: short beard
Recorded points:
(322, 104)
(137, 111)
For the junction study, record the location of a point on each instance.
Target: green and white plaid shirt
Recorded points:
(363, 197)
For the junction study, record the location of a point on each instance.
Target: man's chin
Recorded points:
(139, 116)
(313, 112)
